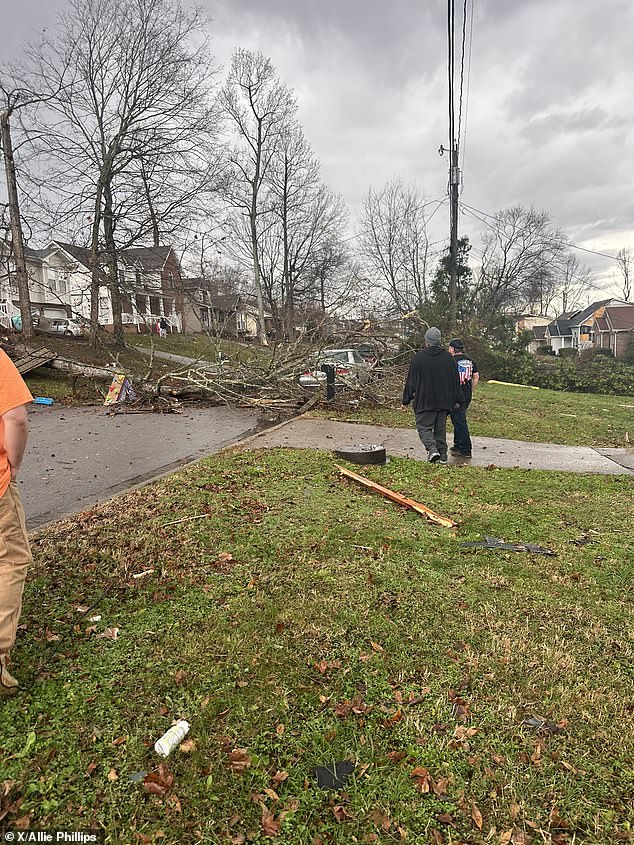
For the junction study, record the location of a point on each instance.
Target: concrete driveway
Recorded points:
(79, 456)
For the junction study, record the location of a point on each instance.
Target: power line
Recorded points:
(462, 54)
(466, 110)
(587, 282)
(565, 243)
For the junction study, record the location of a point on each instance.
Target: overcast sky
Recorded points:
(549, 121)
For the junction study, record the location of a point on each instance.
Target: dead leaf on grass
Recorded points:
(396, 756)
(238, 761)
(187, 746)
(476, 815)
(422, 779)
(108, 634)
(51, 636)
(376, 647)
(112, 775)
(179, 676)
(279, 777)
(159, 782)
(340, 813)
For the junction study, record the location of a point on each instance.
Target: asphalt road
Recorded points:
(79, 456)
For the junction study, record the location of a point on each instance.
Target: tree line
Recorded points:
(125, 132)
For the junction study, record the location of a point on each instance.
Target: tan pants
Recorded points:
(15, 556)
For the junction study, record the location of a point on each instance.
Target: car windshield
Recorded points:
(335, 355)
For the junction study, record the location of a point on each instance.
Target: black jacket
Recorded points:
(432, 381)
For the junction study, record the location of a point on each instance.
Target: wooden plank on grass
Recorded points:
(423, 510)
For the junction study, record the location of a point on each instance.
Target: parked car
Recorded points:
(350, 368)
(63, 326)
(372, 357)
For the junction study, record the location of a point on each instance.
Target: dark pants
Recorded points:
(432, 430)
(461, 438)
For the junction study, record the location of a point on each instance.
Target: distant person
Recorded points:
(15, 552)
(432, 385)
(468, 377)
(163, 327)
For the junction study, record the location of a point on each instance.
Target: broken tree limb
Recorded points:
(423, 510)
(185, 519)
(77, 369)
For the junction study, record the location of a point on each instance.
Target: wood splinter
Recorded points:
(398, 498)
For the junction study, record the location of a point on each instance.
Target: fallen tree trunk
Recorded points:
(76, 369)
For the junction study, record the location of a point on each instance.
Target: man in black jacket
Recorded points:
(432, 383)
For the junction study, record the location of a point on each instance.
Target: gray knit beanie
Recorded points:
(432, 337)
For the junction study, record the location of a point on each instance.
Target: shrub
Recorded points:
(568, 352)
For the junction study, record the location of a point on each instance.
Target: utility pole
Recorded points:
(454, 180)
(454, 185)
(17, 238)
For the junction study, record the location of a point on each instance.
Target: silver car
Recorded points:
(350, 368)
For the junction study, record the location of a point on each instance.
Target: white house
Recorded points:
(60, 277)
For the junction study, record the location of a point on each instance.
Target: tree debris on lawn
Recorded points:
(334, 775)
(423, 510)
(539, 723)
(497, 543)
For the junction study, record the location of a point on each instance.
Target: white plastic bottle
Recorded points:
(172, 738)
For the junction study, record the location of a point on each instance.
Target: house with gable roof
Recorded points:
(575, 329)
(60, 276)
(614, 328)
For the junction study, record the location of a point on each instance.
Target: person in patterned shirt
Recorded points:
(469, 377)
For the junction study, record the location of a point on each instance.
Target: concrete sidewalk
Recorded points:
(303, 433)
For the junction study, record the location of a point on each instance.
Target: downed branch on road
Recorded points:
(423, 510)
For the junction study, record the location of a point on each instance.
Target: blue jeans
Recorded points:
(461, 438)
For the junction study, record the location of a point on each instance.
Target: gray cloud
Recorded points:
(549, 121)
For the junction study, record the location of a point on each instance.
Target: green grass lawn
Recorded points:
(305, 620)
(519, 413)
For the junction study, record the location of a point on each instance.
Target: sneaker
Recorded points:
(8, 684)
(434, 457)
(444, 460)
(455, 450)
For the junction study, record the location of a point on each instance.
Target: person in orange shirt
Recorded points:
(15, 552)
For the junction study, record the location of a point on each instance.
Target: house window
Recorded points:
(241, 321)
(121, 275)
(170, 281)
(62, 285)
(141, 303)
(168, 306)
(155, 305)
(138, 276)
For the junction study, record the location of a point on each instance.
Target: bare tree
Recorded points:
(395, 243)
(625, 261)
(11, 102)
(575, 282)
(260, 109)
(522, 253)
(125, 84)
